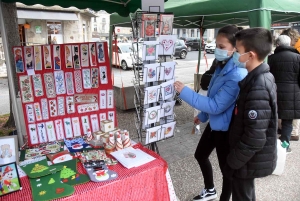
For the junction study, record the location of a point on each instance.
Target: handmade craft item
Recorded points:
(76, 58)
(52, 147)
(57, 57)
(101, 52)
(95, 77)
(18, 55)
(49, 85)
(50, 131)
(68, 56)
(167, 44)
(167, 90)
(69, 83)
(119, 144)
(151, 72)
(45, 111)
(167, 70)
(93, 56)
(110, 98)
(150, 50)
(98, 171)
(107, 126)
(126, 139)
(26, 89)
(9, 179)
(47, 57)
(41, 127)
(152, 115)
(151, 94)
(153, 134)
(38, 112)
(168, 130)
(103, 75)
(102, 99)
(78, 81)
(68, 127)
(59, 82)
(76, 126)
(33, 134)
(166, 24)
(167, 108)
(37, 85)
(76, 144)
(149, 24)
(28, 55)
(38, 57)
(84, 50)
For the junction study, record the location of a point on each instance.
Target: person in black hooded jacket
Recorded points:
(253, 130)
(285, 66)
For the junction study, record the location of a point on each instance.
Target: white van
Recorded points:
(122, 55)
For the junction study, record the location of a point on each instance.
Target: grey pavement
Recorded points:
(4, 96)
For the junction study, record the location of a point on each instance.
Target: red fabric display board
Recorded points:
(66, 90)
(147, 182)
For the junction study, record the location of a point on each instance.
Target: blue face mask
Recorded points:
(220, 54)
(236, 57)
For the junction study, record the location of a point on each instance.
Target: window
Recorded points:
(103, 27)
(103, 21)
(95, 19)
(95, 27)
(192, 33)
(54, 28)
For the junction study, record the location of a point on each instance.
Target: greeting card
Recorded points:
(110, 98)
(59, 129)
(167, 90)
(149, 24)
(38, 57)
(103, 75)
(167, 44)
(152, 115)
(26, 89)
(76, 58)
(33, 134)
(150, 50)
(68, 127)
(78, 81)
(42, 132)
(30, 113)
(151, 72)
(93, 56)
(45, 111)
(166, 24)
(47, 57)
(28, 55)
(153, 134)
(101, 52)
(49, 84)
(69, 83)
(50, 131)
(76, 126)
(57, 57)
(151, 94)
(38, 112)
(68, 56)
(37, 85)
(84, 50)
(86, 74)
(19, 61)
(95, 77)
(60, 82)
(167, 130)
(167, 70)
(167, 108)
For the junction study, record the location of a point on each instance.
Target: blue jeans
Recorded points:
(286, 130)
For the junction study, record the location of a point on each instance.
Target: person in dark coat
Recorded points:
(253, 130)
(285, 66)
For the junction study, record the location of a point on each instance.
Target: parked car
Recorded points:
(193, 43)
(180, 49)
(210, 47)
(122, 55)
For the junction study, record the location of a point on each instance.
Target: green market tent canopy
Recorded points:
(217, 13)
(122, 7)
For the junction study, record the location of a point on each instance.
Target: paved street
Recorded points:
(4, 96)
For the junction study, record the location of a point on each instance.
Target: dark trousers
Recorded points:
(210, 140)
(243, 189)
(286, 130)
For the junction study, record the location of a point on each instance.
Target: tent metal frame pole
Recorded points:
(200, 44)
(10, 77)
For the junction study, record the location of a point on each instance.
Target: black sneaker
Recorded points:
(206, 195)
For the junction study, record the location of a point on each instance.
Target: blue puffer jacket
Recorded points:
(221, 96)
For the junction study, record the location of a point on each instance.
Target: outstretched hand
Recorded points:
(178, 86)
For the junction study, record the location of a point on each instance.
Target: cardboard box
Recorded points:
(107, 126)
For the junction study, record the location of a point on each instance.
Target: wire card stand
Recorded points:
(154, 77)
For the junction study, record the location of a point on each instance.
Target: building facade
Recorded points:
(208, 35)
(100, 26)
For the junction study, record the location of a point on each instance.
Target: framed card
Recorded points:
(167, 90)
(150, 50)
(68, 56)
(151, 72)
(76, 58)
(38, 57)
(166, 24)
(167, 44)
(26, 89)
(9, 149)
(101, 52)
(57, 57)
(151, 94)
(152, 115)
(167, 70)
(153, 134)
(167, 108)
(93, 55)
(168, 130)
(84, 50)
(149, 25)
(19, 61)
(10, 178)
(47, 57)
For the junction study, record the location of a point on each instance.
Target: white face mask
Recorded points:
(221, 55)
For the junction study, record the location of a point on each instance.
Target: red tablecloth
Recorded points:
(147, 182)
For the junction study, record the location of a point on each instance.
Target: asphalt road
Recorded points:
(185, 70)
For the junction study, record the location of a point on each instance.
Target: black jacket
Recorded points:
(253, 130)
(285, 66)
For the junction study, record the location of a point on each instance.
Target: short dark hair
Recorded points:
(229, 32)
(258, 40)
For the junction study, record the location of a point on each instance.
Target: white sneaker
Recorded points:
(206, 195)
